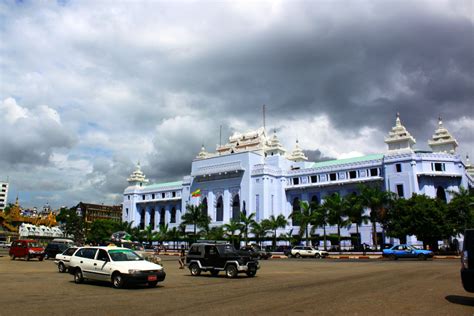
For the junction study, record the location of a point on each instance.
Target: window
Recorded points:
(257, 207)
(88, 253)
(400, 190)
(257, 180)
(174, 194)
(398, 167)
(102, 255)
(314, 179)
(70, 251)
(128, 196)
(296, 181)
(374, 172)
(195, 250)
(153, 196)
(143, 196)
(439, 166)
(352, 174)
(173, 215)
(332, 177)
(163, 195)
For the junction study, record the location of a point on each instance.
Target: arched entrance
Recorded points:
(296, 209)
(236, 208)
(204, 207)
(162, 216)
(315, 200)
(219, 210)
(441, 194)
(152, 218)
(142, 218)
(173, 215)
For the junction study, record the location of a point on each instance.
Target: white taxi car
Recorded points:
(307, 251)
(62, 259)
(114, 264)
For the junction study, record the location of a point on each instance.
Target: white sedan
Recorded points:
(307, 251)
(114, 264)
(62, 259)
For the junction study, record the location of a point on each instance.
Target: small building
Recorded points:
(3, 195)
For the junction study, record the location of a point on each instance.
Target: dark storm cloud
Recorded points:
(152, 81)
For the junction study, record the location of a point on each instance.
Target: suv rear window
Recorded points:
(195, 250)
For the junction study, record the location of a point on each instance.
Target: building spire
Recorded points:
(297, 154)
(399, 139)
(137, 177)
(442, 140)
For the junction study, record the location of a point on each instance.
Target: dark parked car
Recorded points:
(216, 257)
(255, 252)
(467, 261)
(52, 249)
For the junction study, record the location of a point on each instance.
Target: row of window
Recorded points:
(163, 195)
(162, 213)
(335, 176)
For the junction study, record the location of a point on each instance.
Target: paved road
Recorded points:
(307, 287)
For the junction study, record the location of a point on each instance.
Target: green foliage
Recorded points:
(101, 230)
(259, 230)
(274, 223)
(233, 231)
(337, 211)
(72, 223)
(461, 210)
(195, 216)
(304, 216)
(246, 222)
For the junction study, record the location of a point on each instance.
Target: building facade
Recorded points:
(92, 212)
(253, 173)
(3, 195)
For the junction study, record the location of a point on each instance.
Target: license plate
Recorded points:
(152, 278)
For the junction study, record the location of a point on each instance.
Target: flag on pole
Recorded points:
(196, 193)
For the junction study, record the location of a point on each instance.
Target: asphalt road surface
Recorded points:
(281, 287)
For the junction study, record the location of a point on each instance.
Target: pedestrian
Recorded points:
(182, 257)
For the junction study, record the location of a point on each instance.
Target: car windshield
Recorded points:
(124, 255)
(33, 245)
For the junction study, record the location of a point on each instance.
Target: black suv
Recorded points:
(255, 251)
(215, 257)
(467, 260)
(52, 249)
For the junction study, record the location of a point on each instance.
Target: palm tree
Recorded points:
(289, 237)
(320, 218)
(274, 223)
(150, 235)
(216, 233)
(356, 212)
(162, 233)
(174, 234)
(246, 222)
(195, 217)
(336, 213)
(231, 230)
(376, 200)
(259, 230)
(304, 216)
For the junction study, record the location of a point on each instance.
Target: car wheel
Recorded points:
(61, 267)
(12, 257)
(214, 272)
(392, 257)
(317, 256)
(421, 257)
(78, 278)
(251, 274)
(298, 255)
(28, 258)
(231, 271)
(194, 269)
(152, 284)
(40, 258)
(118, 281)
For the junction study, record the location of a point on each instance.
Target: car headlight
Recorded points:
(133, 271)
(31, 251)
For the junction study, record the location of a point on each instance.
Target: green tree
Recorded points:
(101, 230)
(233, 230)
(320, 218)
(399, 219)
(376, 200)
(461, 210)
(72, 223)
(274, 223)
(304, 217)
(356, 213)
(290, 238)
(336, 213)
(259, 230)
(246, 221)
(428, 220)
(194, 216)
(174, 235)
(216, 233)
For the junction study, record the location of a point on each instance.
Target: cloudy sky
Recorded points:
(88, 88)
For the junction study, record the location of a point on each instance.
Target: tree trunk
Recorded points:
(357, 237)
(374, 234)
(306, 231)
(324, 233)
